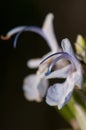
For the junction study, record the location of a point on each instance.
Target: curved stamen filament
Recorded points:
(32, 29)
(52, 64)
(50, 56)
(12, 32)
(63, 55)
(19, 30)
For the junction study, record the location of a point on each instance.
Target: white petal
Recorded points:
(30, 88)
(49, 32)
(33, 63)
(35, 88)
(66, 45)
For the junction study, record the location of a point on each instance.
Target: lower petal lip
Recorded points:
(50, 101)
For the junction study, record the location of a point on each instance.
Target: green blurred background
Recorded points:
(70, 19)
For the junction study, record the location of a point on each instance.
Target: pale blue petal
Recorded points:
(34, 87)
(48, 29)
(55, 94)
(30, 88)
(66, 46)
(59, 94)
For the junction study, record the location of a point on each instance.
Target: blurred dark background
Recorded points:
(70, 19)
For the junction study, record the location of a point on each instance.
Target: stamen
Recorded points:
(5, 37)
(21, 29)
(57, 53)
(63, 55)
(12, 32)
(52, 64)
(32, 29)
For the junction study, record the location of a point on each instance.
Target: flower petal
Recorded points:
(49, 32)
(43, 85)
(30, 88)
(66, 45)
(60, 94)
(56, 95)
(78, 72)
(78, 78)
(35, 88)
(33, 63)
